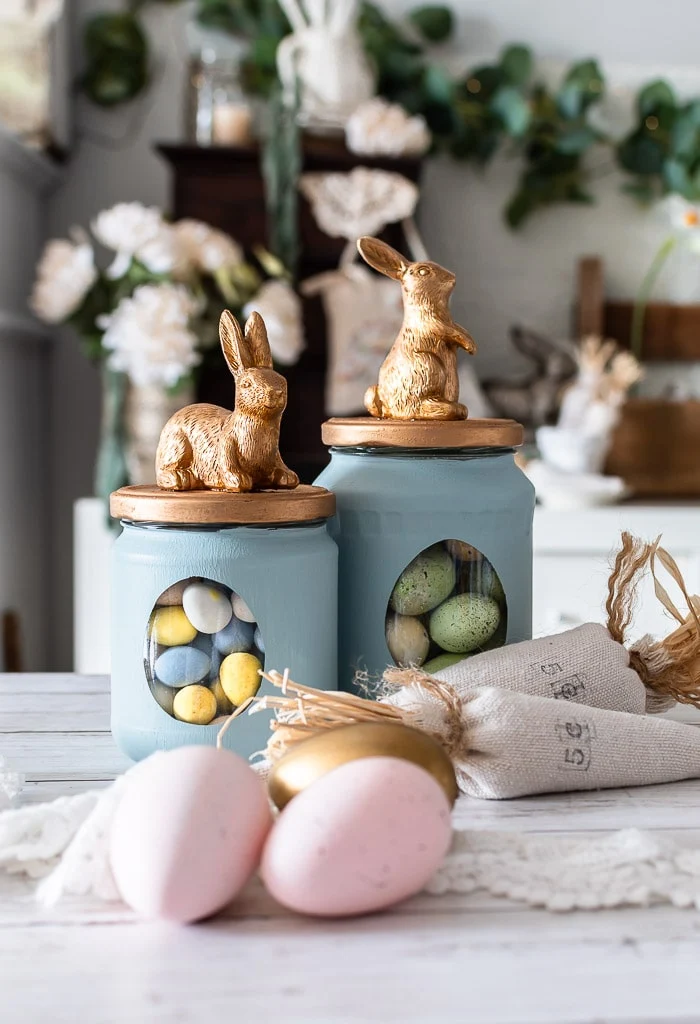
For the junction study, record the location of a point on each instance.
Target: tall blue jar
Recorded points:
(434, 530)
(207, 588)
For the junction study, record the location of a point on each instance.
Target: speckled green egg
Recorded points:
(407, 640)
(464, 623)
(440, 662)
(482, 578)
(424, 583)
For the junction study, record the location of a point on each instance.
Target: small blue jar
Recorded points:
(434, 530)
(207, 588)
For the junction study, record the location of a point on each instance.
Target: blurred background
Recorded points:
(192, 156)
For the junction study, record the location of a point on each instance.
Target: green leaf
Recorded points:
(117, 59)
(440, 118)
(641, 154)
(677, 179)
(684, 135)
(570, 101)
(435, 23)
(519, 208)
(482, 82)
(438, 85)
(656, 94)
(486, 146)
(583, 86)
(578, 140)
(516, 64)
(111, 34)
(513, 109)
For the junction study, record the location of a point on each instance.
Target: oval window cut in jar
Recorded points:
(434, 532)
(447, 603)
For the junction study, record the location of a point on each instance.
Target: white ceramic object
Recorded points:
(556, 489)
(572, 451)
(325, 54)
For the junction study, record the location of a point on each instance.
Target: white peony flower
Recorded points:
(685, 220)
(136, 231)
(380, 128)
(280, 307)
(65, 274)
(149, 337)
(204, 248)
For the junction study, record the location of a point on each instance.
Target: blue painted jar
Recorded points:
(207, 589)
(434, 530)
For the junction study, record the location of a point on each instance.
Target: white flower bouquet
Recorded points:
(150, 317)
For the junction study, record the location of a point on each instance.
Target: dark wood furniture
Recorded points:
(655, 445)
(224, 186)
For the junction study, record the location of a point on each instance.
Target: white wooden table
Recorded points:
(434, 959)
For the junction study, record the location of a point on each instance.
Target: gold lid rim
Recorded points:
(150, 504)
(366, 431)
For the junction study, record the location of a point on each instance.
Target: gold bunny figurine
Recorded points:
(207, 447)
(418, 379)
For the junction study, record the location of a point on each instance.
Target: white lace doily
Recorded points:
(627, 868)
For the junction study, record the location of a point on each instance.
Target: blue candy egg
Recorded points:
(181, 666)
(203, 642)
(257, 637)
(235, 638)
(216, 658)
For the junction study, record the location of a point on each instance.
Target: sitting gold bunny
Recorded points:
(207, 447)
(418, 379)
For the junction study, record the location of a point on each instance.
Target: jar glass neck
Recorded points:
(220, 527)
(421, 453)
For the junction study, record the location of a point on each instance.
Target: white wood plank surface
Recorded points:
(434, 959)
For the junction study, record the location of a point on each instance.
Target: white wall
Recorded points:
(501, 277)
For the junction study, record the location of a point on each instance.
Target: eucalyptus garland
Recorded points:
(498, 107)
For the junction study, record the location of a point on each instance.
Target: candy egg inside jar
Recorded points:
(202, 661)
(446, 604)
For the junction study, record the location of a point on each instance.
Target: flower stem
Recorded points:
(645, 290)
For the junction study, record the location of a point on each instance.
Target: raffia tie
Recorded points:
(302, 711)
(669, 668)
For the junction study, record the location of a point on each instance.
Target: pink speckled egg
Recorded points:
(366, 835)
(188, 833)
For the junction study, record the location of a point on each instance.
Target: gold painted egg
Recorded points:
(309, 760)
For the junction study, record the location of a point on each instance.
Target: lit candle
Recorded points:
(231, 124)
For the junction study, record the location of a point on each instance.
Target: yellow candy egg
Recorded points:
(194, 704)
(310, 759)
(171, 627)
(239, 675)
(223, 704)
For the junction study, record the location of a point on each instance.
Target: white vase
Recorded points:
(147, 411)
(92, 549)
(334, 74)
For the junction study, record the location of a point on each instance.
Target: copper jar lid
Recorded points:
(150, 504)
(366, 431)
